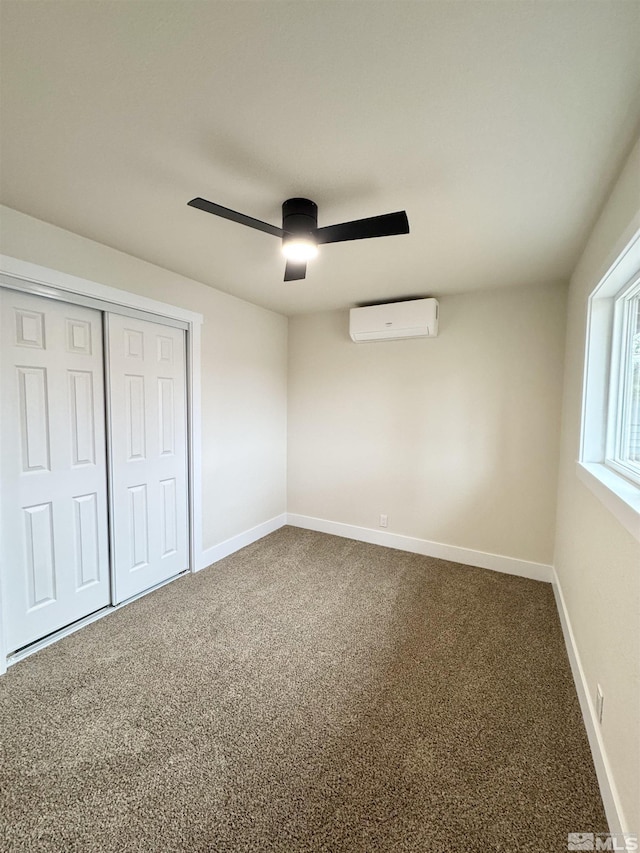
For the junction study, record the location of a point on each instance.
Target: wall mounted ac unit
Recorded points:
(414, 318)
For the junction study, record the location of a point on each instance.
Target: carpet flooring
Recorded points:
(308, 693)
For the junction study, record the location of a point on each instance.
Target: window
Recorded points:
(609, 461)
(623, 432)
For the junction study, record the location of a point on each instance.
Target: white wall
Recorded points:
(596, 559)
(244, 382)
(455, 437)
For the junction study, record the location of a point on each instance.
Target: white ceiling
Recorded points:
(498, 126)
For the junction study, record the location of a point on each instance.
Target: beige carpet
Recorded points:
(308, 693)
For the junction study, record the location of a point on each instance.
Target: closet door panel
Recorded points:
(53, 499)
(148, 440)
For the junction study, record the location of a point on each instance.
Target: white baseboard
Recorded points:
(467, 556)
(608, 790)
(229, 546)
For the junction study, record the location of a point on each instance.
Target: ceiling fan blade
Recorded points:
(234, 216)
(360, 229)
(295, 270)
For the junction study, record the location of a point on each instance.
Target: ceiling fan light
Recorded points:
(299, 249)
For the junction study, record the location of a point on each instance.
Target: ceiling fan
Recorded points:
(300, 233)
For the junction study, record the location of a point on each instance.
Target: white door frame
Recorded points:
(32, 278)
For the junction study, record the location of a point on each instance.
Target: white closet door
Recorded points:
(54, 554)
(148, 441)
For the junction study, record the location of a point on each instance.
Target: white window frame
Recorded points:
(619, 392)
(598, 466)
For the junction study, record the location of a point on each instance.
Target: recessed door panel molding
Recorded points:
(148, 440)
(39, 555)
(78, 336)
(135, 417)
(164, 349)
(34, 418)
(167, 412)
(29, 328)
(82, 421)
(87, 535)
(133, 343)
(53, 499)
(138, 532)
(169, 529)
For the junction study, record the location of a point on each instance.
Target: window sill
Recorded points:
(618, 495)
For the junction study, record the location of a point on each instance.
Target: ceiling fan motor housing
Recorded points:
(300, 234)
(299, 217)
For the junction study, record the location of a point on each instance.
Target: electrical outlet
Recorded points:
(599, 703)
(383, 520)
